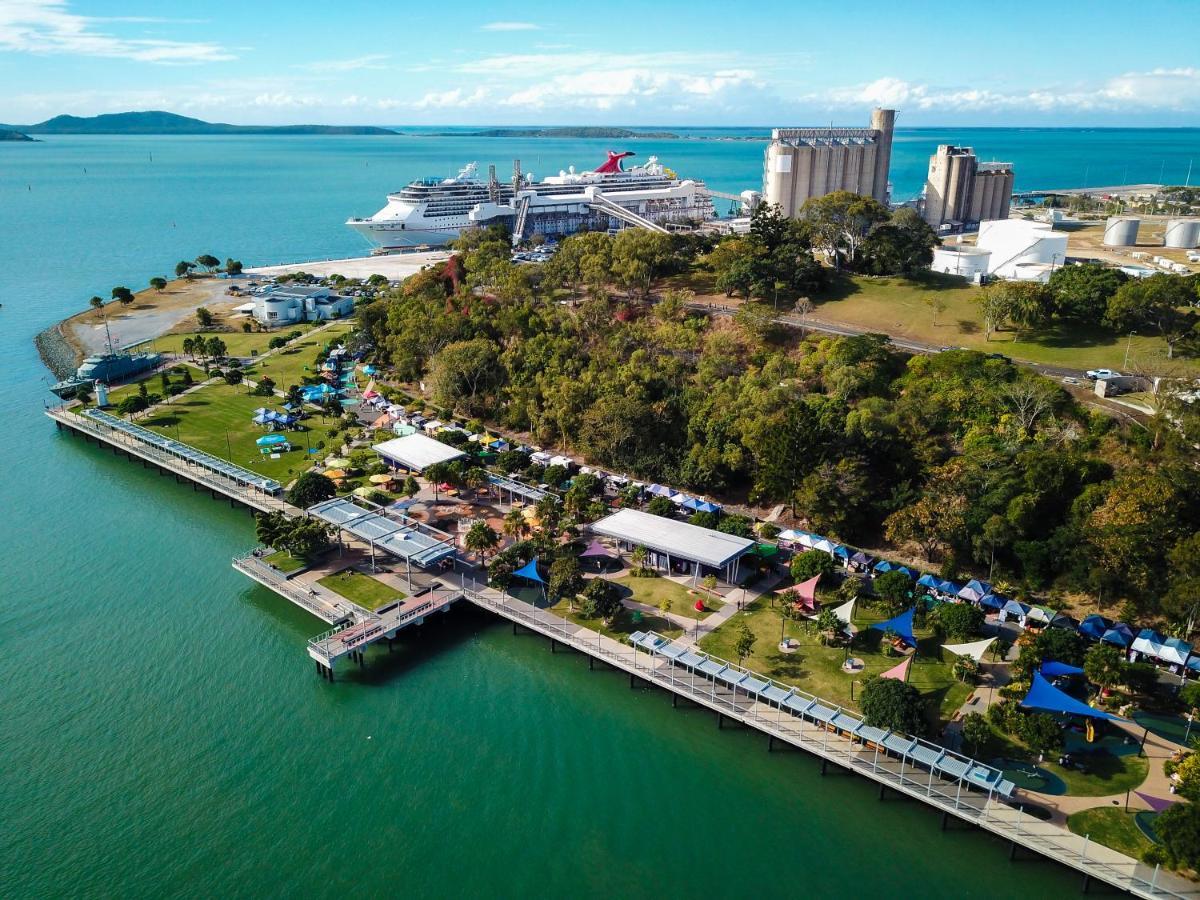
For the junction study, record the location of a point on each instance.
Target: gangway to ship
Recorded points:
(598, 200)
(519, 221)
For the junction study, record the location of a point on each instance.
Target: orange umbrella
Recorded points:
(335, 473)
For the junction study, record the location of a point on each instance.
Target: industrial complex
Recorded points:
(960, 190)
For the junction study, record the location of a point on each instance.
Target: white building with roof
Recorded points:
(416, 452)
(286, 304)
(671, 542)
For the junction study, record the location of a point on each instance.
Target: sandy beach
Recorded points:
(394, 267)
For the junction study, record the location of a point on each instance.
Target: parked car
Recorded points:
(1101, 374)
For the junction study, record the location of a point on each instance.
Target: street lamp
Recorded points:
(1128, 346)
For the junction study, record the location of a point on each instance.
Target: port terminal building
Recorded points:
(678, 547)
(802, 163)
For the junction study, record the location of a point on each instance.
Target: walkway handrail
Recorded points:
(259, 570)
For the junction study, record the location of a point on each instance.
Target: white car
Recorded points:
(1102, 374)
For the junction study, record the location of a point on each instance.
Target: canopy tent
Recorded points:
(907, 571)
(690, 503)
(804, 593)
(1157, 804)
(1149, 642)
(841, 552)
(1175, 650)
(271, 439)
(805, 539)
(529, 571)
(1043, 695)
(1120, 635)
(971, 595)
(1014, 608)
(949, 588)
(595, 550)
(1093, 627)
(861, 559)
(991, 601)
(883, 566)
(680, 499)
(902, 625)
(1065, 622)
(975, 649)
(765, 551)
(707, 506)
(1052, 669)
(900, 672)
(825, 546)
(1039, 615)
(930, 582)
(788, 534)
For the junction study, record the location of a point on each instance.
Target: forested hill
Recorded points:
(157, 122)
(10, 134)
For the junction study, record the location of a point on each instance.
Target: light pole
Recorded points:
(1128, 347)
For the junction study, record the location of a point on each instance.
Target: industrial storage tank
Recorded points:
(1121, 231)
(955, 259)
(1182, 234)
(1014, 242)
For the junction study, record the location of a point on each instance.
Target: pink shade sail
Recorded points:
(804, 593)
(899, 672)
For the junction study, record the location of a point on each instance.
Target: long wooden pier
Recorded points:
(183, 469)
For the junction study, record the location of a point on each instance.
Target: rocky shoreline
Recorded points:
(55, 351)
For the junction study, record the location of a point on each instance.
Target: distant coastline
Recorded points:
(14, 135)
(564, 132)
(156, 122)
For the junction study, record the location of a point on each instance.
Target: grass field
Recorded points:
(283, 562)
(901, 307)
(624, 623)
(652, 591)
(292, 363)
(817, 669)
(363, 590)
(1109, 774)
(218, 420)
(1112, 827)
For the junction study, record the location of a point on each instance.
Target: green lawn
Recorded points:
(898, 307)
(218, 420)
(652, 591)
(363, 590)
(284, 562)
(291, 364)
(1112, 827)
(817, 669)
(239, 343)
(1107, 775)
(624, 623)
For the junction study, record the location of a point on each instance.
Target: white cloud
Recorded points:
(48, 27)
(511, 26)
(371, 61)
(1159, 89)
(639, 88)
(456, 98)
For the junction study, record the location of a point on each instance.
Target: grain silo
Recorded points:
(1182, 234)
(1121, 231)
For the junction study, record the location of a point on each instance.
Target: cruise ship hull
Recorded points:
(389, 234)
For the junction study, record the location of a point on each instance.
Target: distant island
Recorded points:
(13, 135)
(563, 133)
(156, 122)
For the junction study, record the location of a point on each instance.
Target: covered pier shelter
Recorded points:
(416, 452)
(394, 534)
(670, 541)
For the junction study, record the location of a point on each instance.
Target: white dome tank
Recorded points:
(1182, 234)
(1121, 231)
(957, 259)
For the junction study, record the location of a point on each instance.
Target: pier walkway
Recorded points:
(203, 470)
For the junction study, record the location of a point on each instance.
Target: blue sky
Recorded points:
(1008, 62)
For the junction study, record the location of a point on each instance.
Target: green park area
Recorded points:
(942, 310)
(298, 359)
(681, 600)
(284, 562)
(623, 624)
(362, 590)
(218, 419)
(1113, 827)
(817, 668)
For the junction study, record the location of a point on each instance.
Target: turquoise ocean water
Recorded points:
(162, 732)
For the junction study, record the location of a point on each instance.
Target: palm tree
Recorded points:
(514, 523)
(410, 488)
(96, 302)
(435, 474)
(475, 478)
(481, 538)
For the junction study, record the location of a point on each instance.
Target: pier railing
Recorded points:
(272, 578)
(956, 797)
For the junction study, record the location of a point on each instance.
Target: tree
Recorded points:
(1161, 301)
(464, 373)
(96, 302)
(215, 347)
(840, 222)
(828, 624)
(744, 644)
(481, 538)
(903, 245)
(132, 405)
(435, 475)
(895, 591)
(233, 377)
(122, 294)
(661, 506)
(965, 669)
(601, 599)
(269, 527)
(515, 523)
(1082, 292)
(264, 387)
(894, 705)
(976, 733)
(1103, 665)
(233, 266)
(565, 580)
(788, 612)
(810, 563)
(410, 488)
(310, 488)
(183, 269)
(1041, 733)
(207, 260)
(996, 306)
(159, 284)
(1178, 827)
(203, 317)
(959, 621)
(304, 538)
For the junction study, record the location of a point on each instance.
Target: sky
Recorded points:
(606, 62)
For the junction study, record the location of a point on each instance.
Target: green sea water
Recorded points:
(162, 732)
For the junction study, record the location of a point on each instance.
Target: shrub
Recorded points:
(810, 564)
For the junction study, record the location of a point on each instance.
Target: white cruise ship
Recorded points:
(432, 211)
